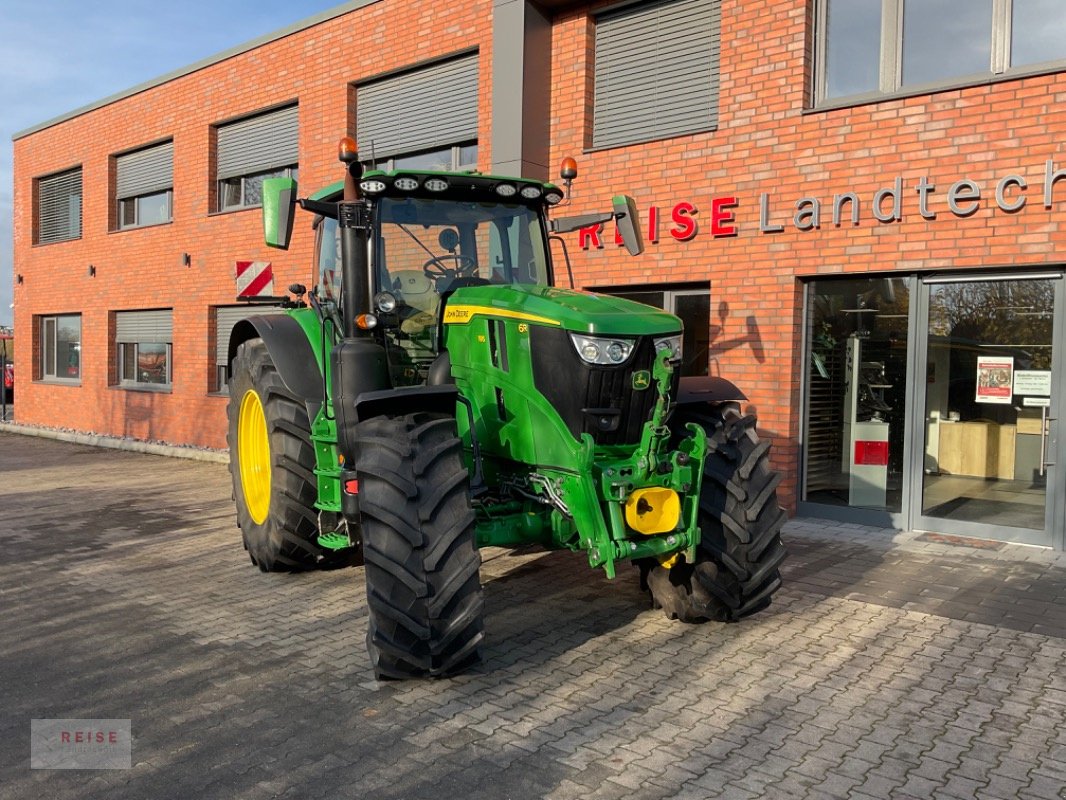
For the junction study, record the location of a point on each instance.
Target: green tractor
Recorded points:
(437, 393)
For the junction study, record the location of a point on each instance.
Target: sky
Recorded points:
(59, 55)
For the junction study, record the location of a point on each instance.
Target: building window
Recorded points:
(144, 349)
(857, 335)
(60, 347)
(656, 71)
(144, 186)
(876, 47)
(425, 118)
(226, 318)
(251, 150)
(444, 159)
(692, 303)
(59, 207)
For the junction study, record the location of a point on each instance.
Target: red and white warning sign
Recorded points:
(254, 279)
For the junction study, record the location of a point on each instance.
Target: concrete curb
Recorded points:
(118, 443)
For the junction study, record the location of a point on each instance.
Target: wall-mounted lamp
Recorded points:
(92, 271)
(186, 260)
(18, 279)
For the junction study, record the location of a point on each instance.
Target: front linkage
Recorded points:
(618, 503)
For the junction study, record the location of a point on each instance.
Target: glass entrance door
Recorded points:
(986, 466)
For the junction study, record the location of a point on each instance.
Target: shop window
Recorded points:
(424, 119)
(656, 72)
(876, 47)
(857, 334)
(144, 349)
(251, 150)
(59, 207)
(144, 186)
(60, 347)
(692, 303)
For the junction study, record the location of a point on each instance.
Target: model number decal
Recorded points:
(460, 315)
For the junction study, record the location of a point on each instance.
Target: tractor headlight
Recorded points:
(405, 184)
(671, 344)
(599, 350)
(385, 302)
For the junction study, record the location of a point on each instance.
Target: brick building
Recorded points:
(857, 208)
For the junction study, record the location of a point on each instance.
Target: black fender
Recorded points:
(290, 351)
(694, 389)
(406, 400)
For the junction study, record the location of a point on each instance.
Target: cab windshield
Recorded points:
(437, 245)
(454, 243)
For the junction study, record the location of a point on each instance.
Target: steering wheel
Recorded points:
(436, 268)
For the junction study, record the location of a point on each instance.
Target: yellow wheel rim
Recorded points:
(253, 450)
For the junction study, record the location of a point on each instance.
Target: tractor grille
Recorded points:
(586, 395)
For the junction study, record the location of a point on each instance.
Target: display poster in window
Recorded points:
(1032, 382)
(995, 379)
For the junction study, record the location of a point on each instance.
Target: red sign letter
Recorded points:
(684, 225)
(722, 218)
(590, 235)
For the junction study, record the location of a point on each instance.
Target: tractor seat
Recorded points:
(416, 290)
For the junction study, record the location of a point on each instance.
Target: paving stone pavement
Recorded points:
(888, 666)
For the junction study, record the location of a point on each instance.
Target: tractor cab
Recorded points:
(431, 234)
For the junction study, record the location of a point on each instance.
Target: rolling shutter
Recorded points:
(145, 172)
(432, 107)
(656, 71)
(145, 327)
(226, 317)
(59, 207)
(261, 143)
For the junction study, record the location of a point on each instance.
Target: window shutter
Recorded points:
(150, 327)
(261, 143)
(432, 107)
(226, 317)
(656, 71)
(59, 207)
(145, 172)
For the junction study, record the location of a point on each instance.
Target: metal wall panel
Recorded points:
(435, 106)
(226, 317)
(657, 71)
(261, 143)
(154, 327)
(59, 207)
(145, 172)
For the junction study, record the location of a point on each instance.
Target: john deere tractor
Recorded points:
(437, 393)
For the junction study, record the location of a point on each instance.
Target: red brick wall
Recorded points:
(142, 268)
(767, 141)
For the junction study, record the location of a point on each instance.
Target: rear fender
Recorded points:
(291, 352)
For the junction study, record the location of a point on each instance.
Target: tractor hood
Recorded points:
(571, 310)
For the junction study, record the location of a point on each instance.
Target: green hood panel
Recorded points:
(577, 311)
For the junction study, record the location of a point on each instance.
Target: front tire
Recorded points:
(737, 568)
(419, 545)
(271, 464)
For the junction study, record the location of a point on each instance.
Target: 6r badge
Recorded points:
(641, 380)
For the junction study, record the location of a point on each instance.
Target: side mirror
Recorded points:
(625, 215)
(279, 208)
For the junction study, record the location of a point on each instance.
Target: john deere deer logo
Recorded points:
(641, 380)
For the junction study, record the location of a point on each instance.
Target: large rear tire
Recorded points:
(419, 545)
(271, 464)
(737, 568)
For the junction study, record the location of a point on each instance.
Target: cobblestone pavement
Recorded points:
(888, 665)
